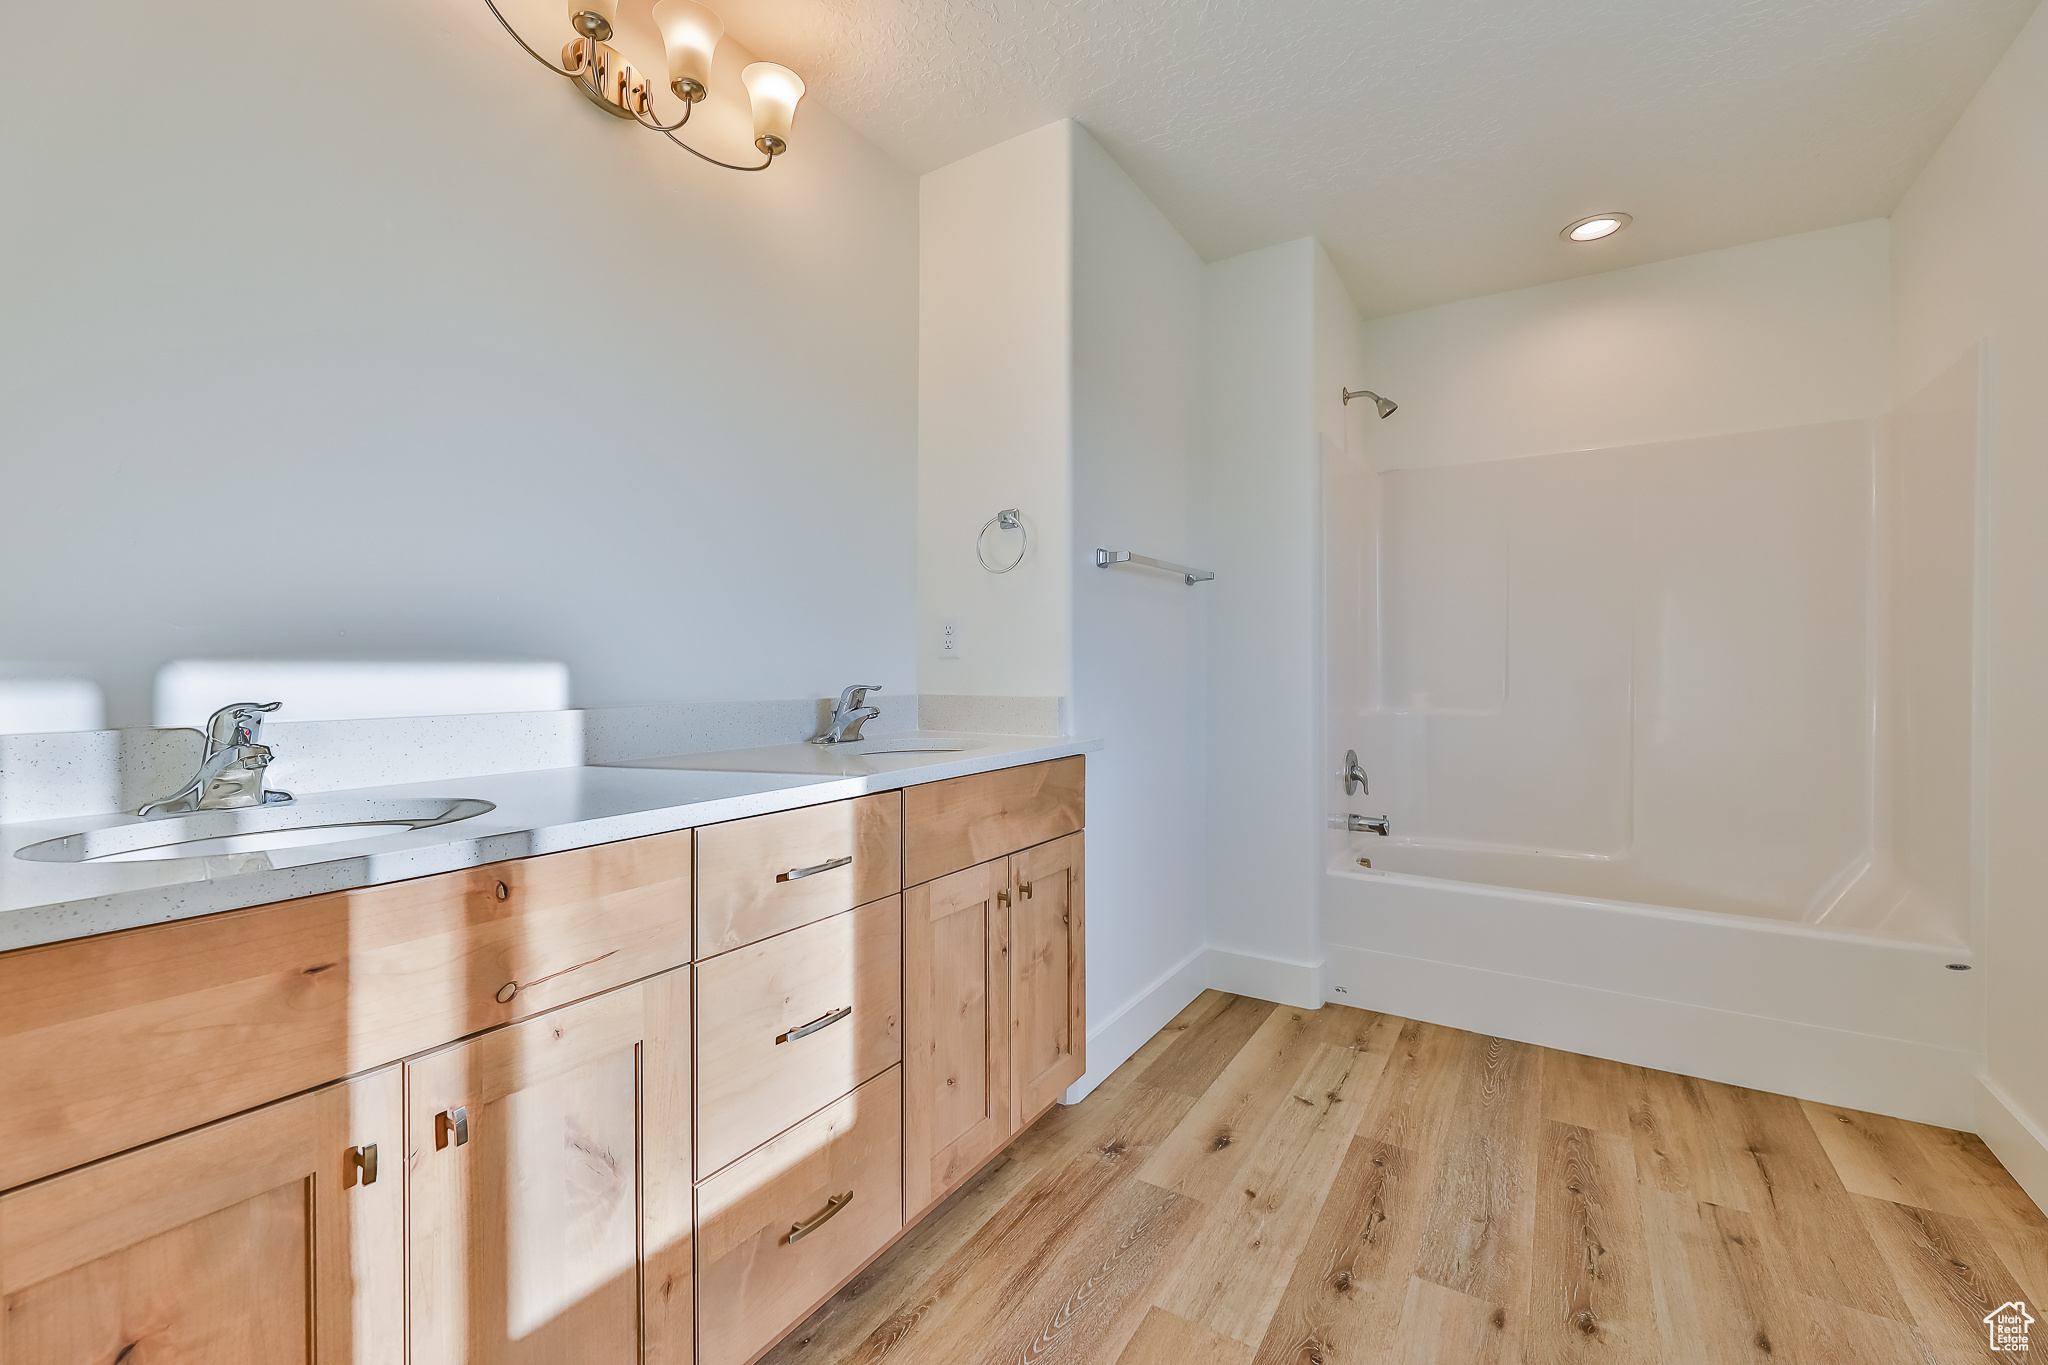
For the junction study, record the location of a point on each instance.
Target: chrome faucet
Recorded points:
(1354, 775)
(849, 715)
(1367, 824)
(231, 771)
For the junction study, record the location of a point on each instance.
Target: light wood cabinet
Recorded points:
(787, 1025)
(1048, 980)
(956, 1019)
(542, 1158)
(963, 821)
(254, 1241)
(994, 1009)
(110, 1042)
(640, 1104)
(774, 872)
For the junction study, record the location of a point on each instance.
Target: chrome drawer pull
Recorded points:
(797, 874)
(799, 1231)
(362, 1165)
(452, 1123)
(806, 1030)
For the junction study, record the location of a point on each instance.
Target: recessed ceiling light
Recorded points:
(1594, 228)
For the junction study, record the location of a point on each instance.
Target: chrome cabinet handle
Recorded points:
(799, 1231)
(1024, 889)
(806, 1030)
(362, 1165)
(452, 1121)
(797, 874)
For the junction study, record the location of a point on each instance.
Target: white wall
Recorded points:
(995, 416)
(1788, 332)
(1259, 518)
(387, 340)
(1970, 263)
(1139, 636)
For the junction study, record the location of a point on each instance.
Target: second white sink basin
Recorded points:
(256, 829)
(861, 758)
(906, 744)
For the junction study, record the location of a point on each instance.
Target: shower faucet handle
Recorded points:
(1354, 776)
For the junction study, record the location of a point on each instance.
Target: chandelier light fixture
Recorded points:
(690, 33)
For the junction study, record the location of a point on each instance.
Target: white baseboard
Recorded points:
(1267, 978)
(2014, 1138)
(1112, 1041)
(1919, 1081)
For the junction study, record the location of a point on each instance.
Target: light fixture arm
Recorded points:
(574, 74)
(657, 127)
(714, 160)
(592, 59)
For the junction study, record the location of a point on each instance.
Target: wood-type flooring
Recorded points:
(1267, 1185)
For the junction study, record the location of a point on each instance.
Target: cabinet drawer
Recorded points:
(967, 820)
(113, 1041)
(774, 872)
(777, 1233)
(787, 1025)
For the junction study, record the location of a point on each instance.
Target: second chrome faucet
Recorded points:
(849, 715)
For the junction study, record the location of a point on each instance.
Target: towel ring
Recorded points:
(1009, 519)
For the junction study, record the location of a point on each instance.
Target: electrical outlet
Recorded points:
(951, 643)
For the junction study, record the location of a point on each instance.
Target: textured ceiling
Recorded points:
(1434, 146)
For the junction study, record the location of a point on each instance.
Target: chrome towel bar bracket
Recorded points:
(1105, 558)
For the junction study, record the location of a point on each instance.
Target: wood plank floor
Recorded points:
(1264, 1185)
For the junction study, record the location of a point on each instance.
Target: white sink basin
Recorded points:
(909, 744)
(254, 830)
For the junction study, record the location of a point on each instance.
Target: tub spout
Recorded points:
(1367, 824)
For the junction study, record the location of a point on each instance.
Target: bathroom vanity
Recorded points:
(651, 1100)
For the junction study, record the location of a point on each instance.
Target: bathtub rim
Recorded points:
(1956, 951)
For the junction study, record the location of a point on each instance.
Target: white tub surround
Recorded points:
(543, 811)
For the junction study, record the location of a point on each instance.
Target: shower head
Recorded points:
(1387, 406)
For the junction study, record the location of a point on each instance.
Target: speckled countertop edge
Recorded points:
(401, 857)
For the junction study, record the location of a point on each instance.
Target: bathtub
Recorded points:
(1877, 1022)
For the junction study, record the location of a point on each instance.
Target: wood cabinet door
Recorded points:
(543, 1157)
(1048, 979)
(956, 1029)
(258, 1240)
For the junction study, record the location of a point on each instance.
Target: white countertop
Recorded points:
(547, 811)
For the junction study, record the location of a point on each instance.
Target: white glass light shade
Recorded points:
(690, 33)
(774, 91)
(594, 18)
